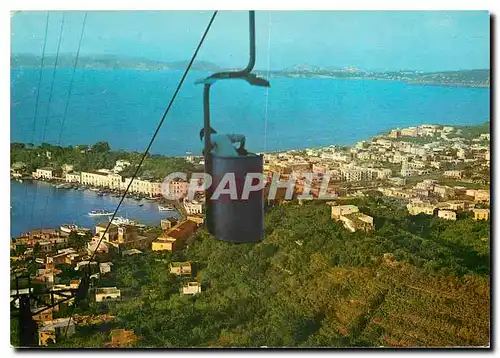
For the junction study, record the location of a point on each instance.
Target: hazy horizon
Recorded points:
(428, 41)
(136, 58)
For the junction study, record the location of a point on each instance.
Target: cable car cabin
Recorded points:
(235, 213)
(231, 214)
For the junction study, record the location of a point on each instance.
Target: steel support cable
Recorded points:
(36, 102)
(51, 91)
(48, 104)
(268, 77)
(67, 102)
(158, 127)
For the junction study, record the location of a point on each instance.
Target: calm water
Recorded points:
(124, 106)
(69, 206)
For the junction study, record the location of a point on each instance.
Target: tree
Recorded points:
(36, 249)
(78, 241)
(20, 249)
(101, 147)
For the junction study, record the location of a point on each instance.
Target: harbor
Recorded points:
(37, 204)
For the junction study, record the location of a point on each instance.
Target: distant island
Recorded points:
(107, 62)
(460, 78)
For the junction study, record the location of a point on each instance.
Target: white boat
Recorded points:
(120, 220)
(100, 213)
(165, 208)
(68, 228)
(63, 186)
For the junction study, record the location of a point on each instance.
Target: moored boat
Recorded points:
(100, 213)
(120, 220)
(69, 228)
(165, 208)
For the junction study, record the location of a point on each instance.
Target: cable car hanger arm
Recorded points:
(244, 74)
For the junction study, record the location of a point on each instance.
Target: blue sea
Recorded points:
(123, 108)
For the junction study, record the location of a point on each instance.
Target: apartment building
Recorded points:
(454, 174)
(444, 191)
(357, 174)
(174, 238)
(140, 186)
(97, 179)
(482, 196)
(43, 173)
(481, 214)
(416, 208)
(178, 188)
(447, 215)
(111, 234)
(193, 207)
(73, 177)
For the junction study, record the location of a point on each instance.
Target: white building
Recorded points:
(447, 215)
(43, 173)
(339, 210)
(193, 207)
(105, 267)
(192, 288)
(73, 177)
(107, 294)
(456, 174)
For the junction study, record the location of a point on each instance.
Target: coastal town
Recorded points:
(432, 170)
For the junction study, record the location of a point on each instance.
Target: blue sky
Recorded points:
(373, 40)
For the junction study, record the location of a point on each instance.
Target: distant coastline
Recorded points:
(459, 78)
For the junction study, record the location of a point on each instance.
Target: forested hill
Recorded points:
(415, 281)
(106, 62)
(467, 78)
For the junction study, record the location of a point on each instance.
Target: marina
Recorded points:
(29, 210)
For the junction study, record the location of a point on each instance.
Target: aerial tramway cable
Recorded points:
(174, 96)
(49, 103)
(51, 91)
(72, 78)
(36, 104)
(267, 77)
(63, 120)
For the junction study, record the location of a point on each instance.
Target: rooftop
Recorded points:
(57, 323)
(481, 210)
(181, 230)
(179, 264)
(106, 290)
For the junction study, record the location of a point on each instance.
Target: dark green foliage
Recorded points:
(78, 242)
(98, 156)
(414, 281)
